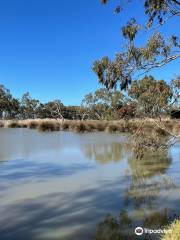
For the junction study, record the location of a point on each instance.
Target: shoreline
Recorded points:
(117, 126)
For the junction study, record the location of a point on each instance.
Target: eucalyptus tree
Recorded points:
(51, 109)
(152, 96)
(103, 104)
(55, 109)
(135, 61)
(5, 97)
(9, 106)
(29, 106)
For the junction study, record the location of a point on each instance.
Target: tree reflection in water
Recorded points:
(146, 181)
(105, 153)
(148, 178)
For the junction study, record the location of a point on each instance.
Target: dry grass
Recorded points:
(112, 128)
(78, 127)
(48, 126)
(1, 124)
(13, 124)
(93, 125)
(173, 232)
(32, 124)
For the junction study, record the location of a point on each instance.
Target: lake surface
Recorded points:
(62, 185)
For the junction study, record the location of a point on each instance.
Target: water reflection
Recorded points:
(106, 153)
(150, 166)
(122, 227)
(23, 143)
(61, 185)
(148, 177)
(147, 183)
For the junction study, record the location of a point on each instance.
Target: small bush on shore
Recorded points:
(33, 124)
(111, 128)
(78, 127)
(95, 125)
(64, 126)
(13, 124)
(147, 125)
(48, 126)
(101, 126)
(24, 125)
(90, 127)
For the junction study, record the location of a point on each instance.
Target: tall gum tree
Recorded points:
(131, 63)
(134, 62)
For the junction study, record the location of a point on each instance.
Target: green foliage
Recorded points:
(152, 96)
(102, 104)
(9, 106)
(148, 96)
(175, 88)
(159, 9)
(156, 10)
(52, 109)
(29, 106)
(129, 31)
(136, 61)
(128, 110)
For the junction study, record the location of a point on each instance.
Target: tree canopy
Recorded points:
(146, 97)
(152, 96)
(103, 104)
(135, 61)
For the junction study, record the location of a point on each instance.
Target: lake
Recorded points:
(62, 185)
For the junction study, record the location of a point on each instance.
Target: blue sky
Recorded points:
(47, 47)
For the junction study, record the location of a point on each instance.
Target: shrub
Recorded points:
(13, 124)
(48, 126)
(112, 128)
(100, 126)
(23, 125)
(33, 125)
(90, 127)
(65, 126)
(79, 127)
(127, 111)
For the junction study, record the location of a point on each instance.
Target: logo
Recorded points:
(139, 231)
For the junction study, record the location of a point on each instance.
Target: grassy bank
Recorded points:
(91, 125)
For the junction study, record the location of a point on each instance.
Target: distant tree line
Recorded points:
(29, 108)
(146, 98)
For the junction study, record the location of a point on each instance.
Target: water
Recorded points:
(60, 186)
